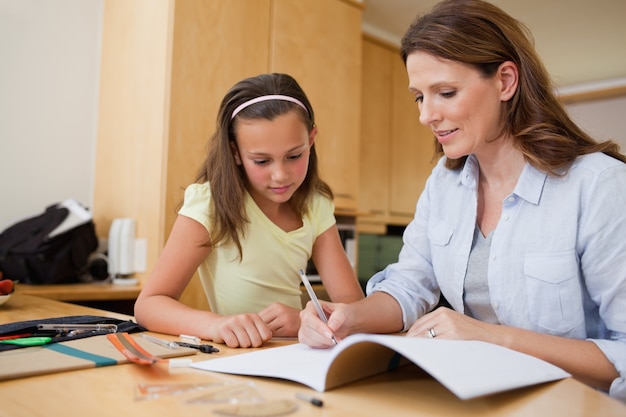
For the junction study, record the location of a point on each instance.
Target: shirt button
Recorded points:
(496, 306)
(510, 199)
(505, 217)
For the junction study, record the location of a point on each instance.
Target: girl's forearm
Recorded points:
(163, 314)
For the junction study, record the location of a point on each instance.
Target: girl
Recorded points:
(521, 224)
(255, 215)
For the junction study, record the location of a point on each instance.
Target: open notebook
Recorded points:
(467, 368)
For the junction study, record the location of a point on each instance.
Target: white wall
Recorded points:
(602, 119)
(49, 71)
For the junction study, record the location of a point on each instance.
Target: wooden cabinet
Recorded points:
(166, 66)
(412, 146)
(210, 51)
(374, 171)
(319, 43)
(396, 150)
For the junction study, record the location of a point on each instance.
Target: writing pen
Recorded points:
(175, 345)
(316, 303)
(202, 348)
(16, 336)
(309, 398)
(167, 343)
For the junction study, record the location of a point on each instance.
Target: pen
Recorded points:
(16, 336)
(308, 398)
(168, 344)
(189, 339)
(316, 302)
(175, 345)
(201, 348)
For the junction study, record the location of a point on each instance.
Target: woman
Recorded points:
(521, 224)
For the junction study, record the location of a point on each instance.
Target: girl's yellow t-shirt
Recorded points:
(272, 257)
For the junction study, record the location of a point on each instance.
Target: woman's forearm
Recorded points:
(378, 313)
(581, 358)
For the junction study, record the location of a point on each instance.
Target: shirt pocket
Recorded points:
(553, 290)
(440, 236)
(439, 232)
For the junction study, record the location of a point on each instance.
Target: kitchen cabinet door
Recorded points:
(396, 150)
(375, 129)
(319, 43)
(411, 147)
(165, 67)
(211, 51)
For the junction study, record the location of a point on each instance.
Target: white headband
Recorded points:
(266, 98)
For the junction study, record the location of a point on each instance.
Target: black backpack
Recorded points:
(28, 255)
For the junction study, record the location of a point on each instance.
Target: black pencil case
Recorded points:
(30, 328)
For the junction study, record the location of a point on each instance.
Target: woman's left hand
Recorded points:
(444, 323)
(283, 320)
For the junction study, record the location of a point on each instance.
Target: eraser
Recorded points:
(180, 363)
(189, 339)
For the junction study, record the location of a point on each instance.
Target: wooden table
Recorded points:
(110, 391)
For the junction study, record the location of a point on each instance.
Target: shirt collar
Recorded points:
(529, 185)
(469, 174)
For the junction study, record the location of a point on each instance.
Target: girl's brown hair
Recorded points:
(227, 179)
(483, 36)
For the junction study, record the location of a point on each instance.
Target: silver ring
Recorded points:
(431, 333)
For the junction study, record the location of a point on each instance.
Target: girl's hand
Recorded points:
(284, 321)
(449, 324)
(241, 330)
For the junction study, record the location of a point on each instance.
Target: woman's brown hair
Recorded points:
(483, 36)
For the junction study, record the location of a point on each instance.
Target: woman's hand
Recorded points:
(445, 323)
(582, 358)
(284, 321)
(241, 330)
(378, 313)
(317, 334)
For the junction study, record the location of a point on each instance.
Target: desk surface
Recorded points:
(407, 391)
